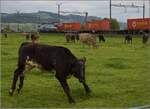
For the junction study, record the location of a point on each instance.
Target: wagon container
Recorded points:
(75, 26)
(138, 24)
(97, 25)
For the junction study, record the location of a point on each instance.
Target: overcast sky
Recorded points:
(94, 8)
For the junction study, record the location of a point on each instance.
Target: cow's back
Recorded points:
(48, 56)
(55, 57)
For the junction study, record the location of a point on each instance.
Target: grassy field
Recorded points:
(118, 75)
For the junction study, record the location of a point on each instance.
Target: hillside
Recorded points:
(41, 17)
(46, 17)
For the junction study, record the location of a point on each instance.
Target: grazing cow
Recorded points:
(145, 38)
(128, 39)
(76, 36)
(49, 58)
(5, 34)
(27, 35)
(101, 38)
(88, 39)
(71, 37)
(34, 38)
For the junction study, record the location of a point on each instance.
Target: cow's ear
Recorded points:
(84, 59)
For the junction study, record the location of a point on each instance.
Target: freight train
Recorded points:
(134, 26)
(94, 25)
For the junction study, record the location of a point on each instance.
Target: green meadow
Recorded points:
(117, 73)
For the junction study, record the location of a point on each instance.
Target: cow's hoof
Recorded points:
(18, 90)
(88, 92)
(10, 92)
(71, 101)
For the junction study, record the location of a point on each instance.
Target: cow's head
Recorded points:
(80, 69)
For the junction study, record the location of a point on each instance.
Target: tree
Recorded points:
(114, 24)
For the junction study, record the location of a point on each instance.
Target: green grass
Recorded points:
(118, 75)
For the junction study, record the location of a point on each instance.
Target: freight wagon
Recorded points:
(75, 26)
(138, 24)
(97, 25)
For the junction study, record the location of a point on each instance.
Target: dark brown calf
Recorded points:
(145, 38)
(101, 38)
(128, 39)
(72, 37)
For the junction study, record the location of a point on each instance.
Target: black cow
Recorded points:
(101, 38)
(48, 58)
(128, 39)
(5, 34)
(77, 36)
(145, 38)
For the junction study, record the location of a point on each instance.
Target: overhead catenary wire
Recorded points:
(130, 6)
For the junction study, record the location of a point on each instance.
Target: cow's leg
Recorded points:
(125, 41)
(86, 87)
(143, 40)
(146, 40)
(103, 40)
(100, 40)
(21, 83)
(128, 41)
(21, 75)
(83, 81)
(66, 88)
(17, 72)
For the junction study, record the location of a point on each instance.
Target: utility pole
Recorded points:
(86, 15)
(18, 15)
(110, 9)
(39, 19)
(59, 12)
(143, 10)
(39, 23)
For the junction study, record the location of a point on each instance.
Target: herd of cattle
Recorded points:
(90, 39)
(47, 57)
